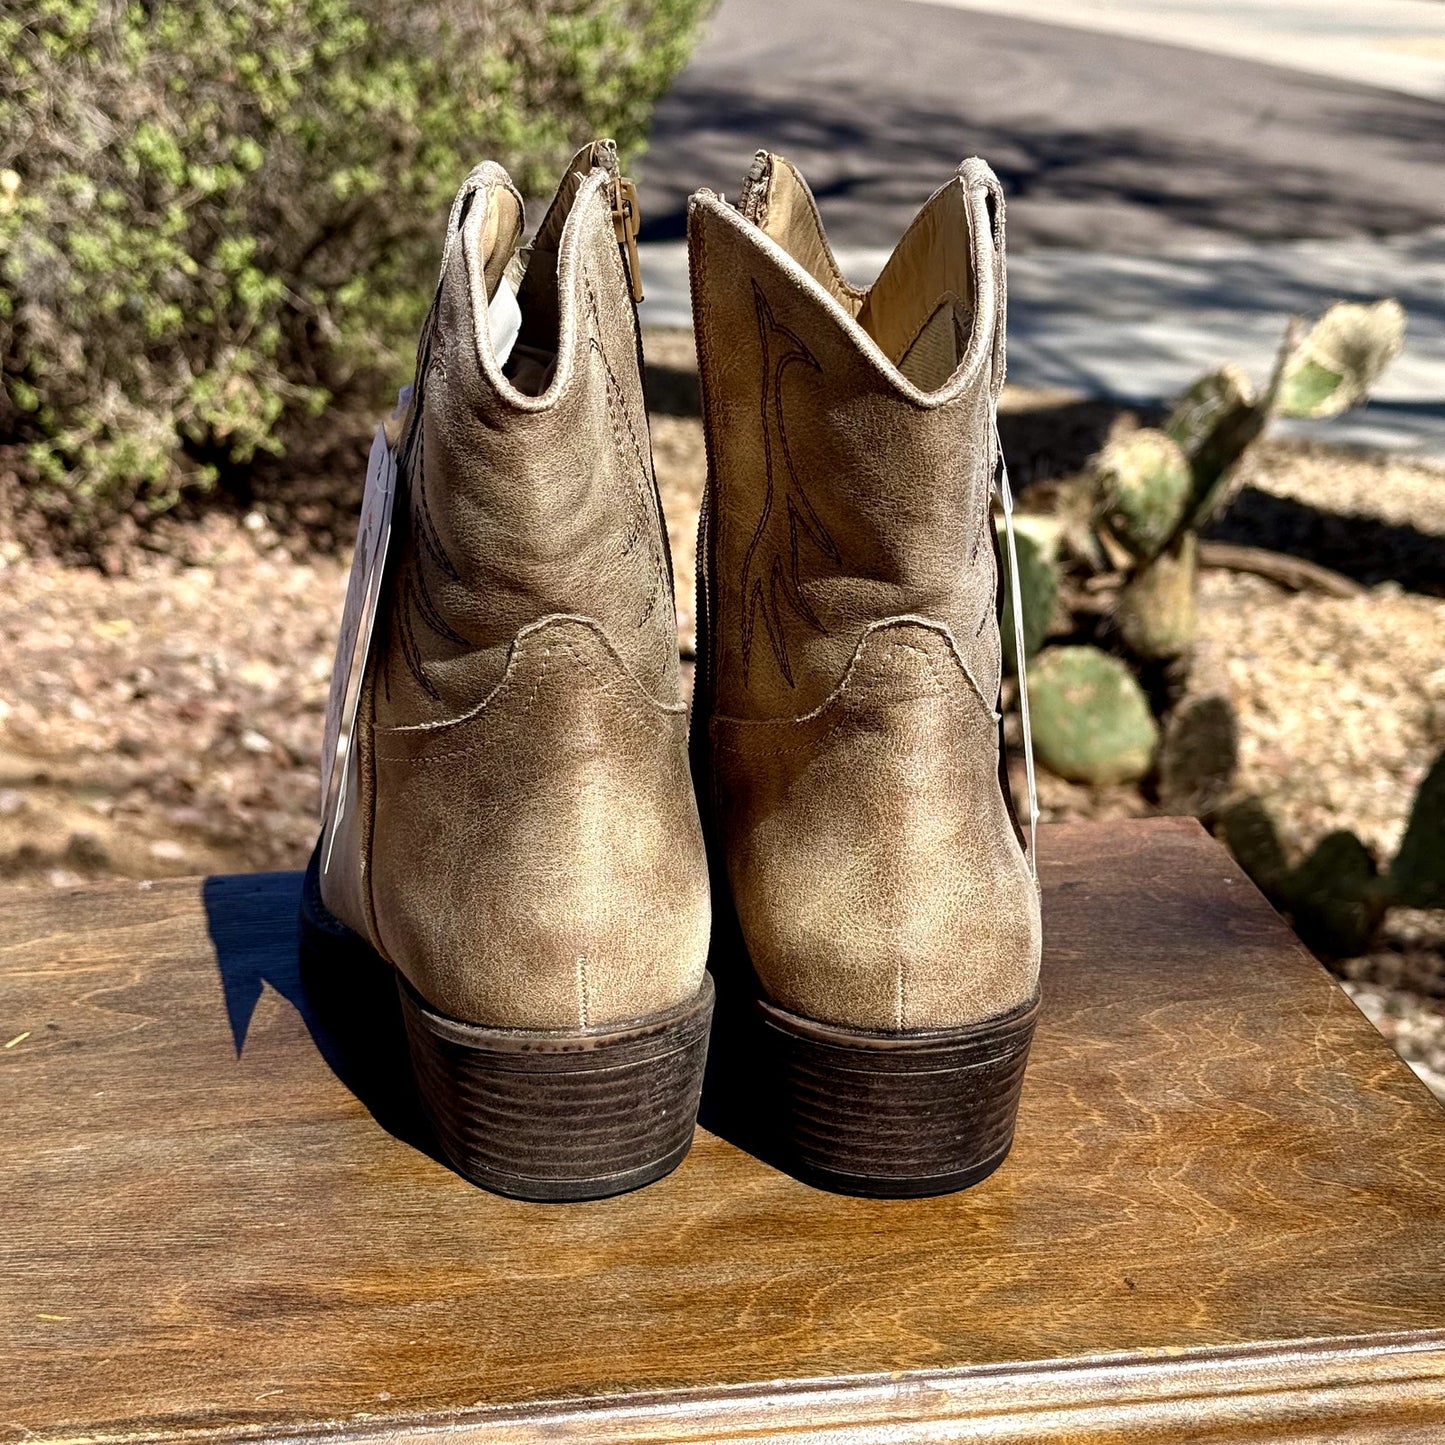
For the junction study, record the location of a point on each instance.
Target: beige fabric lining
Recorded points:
(920, 310)
(931, 265)
(501, 230)
(790, 217)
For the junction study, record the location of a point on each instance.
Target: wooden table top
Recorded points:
(1223, 1219)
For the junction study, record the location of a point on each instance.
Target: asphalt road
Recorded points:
(1169, 208)
(1103, 142)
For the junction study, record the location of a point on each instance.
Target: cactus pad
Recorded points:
(1213, 423)
(1334, 896)
(1143, 482)
(1417, 876)
(1250, 833)
(1156, 614)
(1345, 354)
(1039, 580)
(1091, 720)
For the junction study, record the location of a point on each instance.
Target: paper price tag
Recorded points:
(358, 618)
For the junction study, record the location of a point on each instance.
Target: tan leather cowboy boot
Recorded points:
(846, 733)
(511, 821)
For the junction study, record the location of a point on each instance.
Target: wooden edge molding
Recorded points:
(1386, 1389)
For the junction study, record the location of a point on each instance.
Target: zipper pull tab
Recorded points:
(753, 198)
(626, 218)
(626, 212)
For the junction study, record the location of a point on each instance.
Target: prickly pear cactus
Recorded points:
(1335, 366)
(1144, 482)
(1417, 876)
(1334, 896)
(1199, 753)
(1039, 581)
(1213, 424)
(1155, 612)
(1250, 835)
(1091, 720)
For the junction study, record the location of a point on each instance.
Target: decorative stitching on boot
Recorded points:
(415, 594)
(513, 723)
(583, 1003)
(622, 687)
(409, 649)
(855, 663)
(776, 580)
(430, 537)
(430, 613)
(862, 692)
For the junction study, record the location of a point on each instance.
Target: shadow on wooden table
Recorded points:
(347, 998)
(345, 995)
(741, 1090)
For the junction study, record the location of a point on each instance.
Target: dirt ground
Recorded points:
(163, 716)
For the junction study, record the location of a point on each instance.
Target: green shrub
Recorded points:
(218, 216)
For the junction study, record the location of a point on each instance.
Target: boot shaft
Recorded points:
(516, 831)
(527, 482)
(850, 436)
(846, 732)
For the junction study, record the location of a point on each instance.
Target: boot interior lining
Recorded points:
(532, 271)
(534, 358)
(501, 230)
(790, 217)
(920, 310)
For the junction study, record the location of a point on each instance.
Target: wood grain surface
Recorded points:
(1223, 1219)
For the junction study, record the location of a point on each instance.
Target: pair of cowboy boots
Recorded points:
(513, 821)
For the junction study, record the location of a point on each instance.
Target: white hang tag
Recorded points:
(1016, 601)
(363, 592)
(363, 589)
(504, 321)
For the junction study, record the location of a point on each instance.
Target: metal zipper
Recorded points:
(752, 200)
(626, 213)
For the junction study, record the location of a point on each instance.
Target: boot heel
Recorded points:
(896, 1115)
(566, 1114)
(534, 1113)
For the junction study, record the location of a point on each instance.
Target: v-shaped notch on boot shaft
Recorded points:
(485, 234)
(525, 461)
(934, 315)
(850, 431)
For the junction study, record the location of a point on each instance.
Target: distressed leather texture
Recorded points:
(526, 843)
(845, 728)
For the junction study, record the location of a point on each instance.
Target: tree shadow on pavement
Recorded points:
(1101, 140)
(1109, 188)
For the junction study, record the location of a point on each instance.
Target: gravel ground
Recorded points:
(1342, 701)
(1386, 489)
(1400, 988)
(166, 719)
